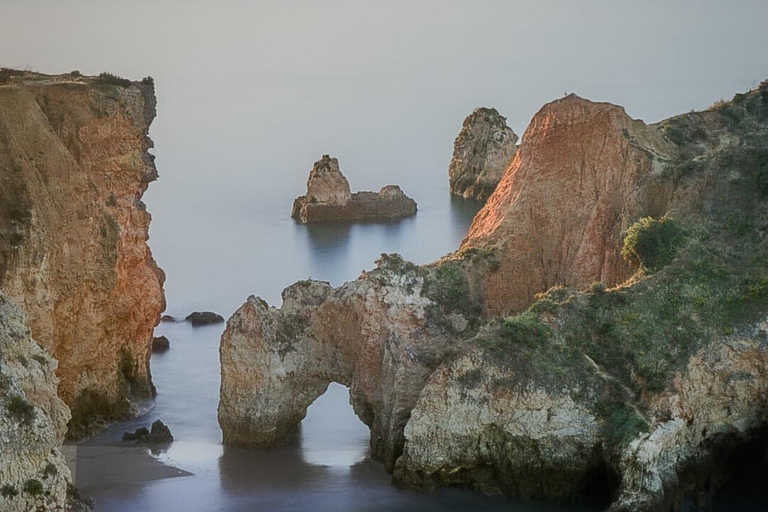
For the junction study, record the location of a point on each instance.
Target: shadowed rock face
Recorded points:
(74, 154)
(481, 153)
(329, 199)
(604, 393)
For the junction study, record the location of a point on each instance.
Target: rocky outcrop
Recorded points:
(329, 199)
(160, 344)
(74, 154)
(639, 358)
(33, 420)
(158, 434)
(481, 153)
(558, 215)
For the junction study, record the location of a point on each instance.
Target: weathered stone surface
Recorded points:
(33, 420)
(372, 335)
(328, 199)
(481, 154)
(198, 318)
(74, 154)
(572, 189)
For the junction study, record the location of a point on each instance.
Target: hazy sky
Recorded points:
(252, 92)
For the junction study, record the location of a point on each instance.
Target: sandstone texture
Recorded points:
(75, 161)
(33, 420)
(481, 154)
(329, 199)
(600, 335)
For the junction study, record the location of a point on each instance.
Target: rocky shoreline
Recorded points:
(595, 337)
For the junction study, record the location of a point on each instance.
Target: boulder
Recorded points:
(160, 344)
(159, 434)
(204, 318)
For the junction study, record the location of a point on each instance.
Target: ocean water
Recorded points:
(251, 93)
(327, 466)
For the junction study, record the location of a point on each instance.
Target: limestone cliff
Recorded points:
(33, 420)
(481, 153)
(73, 233)
(638, 255)
(329, 199)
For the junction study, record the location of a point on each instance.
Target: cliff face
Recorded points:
(75, 163)
(33, 420)
(573, 187)
(481, 154)
(633, 390)
(329, 199)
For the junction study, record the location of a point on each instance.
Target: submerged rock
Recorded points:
(168, 318)
(481, 154)
(160, 344)
(204, 318)
(159, 434)
(329, 199)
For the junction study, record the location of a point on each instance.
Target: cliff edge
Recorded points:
(74, 154)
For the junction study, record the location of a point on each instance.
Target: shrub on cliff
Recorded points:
(20, 409)
(110, 79)
(652, 243)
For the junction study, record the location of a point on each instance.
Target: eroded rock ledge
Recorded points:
(74, 154)
(329, 199)
(626, 378)
(481, 153)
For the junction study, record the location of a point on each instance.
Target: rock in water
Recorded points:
(74, 164)
(204, 318)
(481, 154)
(167, 318)
(160, 344)
(159, 434)
(329, 199)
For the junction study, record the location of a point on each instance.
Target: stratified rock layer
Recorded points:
(329, 199)
(73, 238)
(481, 154)
(33, 420)
(619, 383)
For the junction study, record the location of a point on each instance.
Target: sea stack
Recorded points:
(329, 199)
(481, 153)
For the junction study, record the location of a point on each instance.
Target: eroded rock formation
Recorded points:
(75, 161)
(329, 199)
(481, 154)
(613, 384)
(33, 420)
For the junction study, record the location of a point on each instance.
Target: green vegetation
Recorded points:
(20, 409)
(50, 470)
(447, 286)
(7, 73)
(622, 424)
(110, 79)
(652, 243)
(8, 491)
(33, 487)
